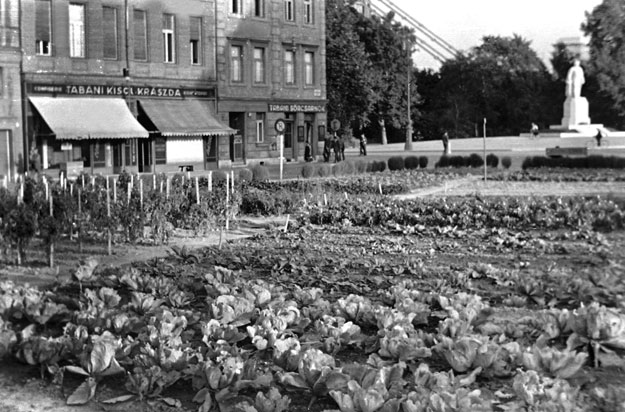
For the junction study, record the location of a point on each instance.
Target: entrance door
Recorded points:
(309, 124)
(118, 157)
(6, 157)
(237, 121)
(289, 135)
(145, 156)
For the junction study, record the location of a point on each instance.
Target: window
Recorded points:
(169, 43)
(109, 28)
(9, 24)
(195, 39)
(308, 12)
(259, 8)
(140, 30)
(289, 67)
(77, 30)
(237, 7)
(260, 127)
(42, 27)
(289, 12)
(309, 68)
(236, 64)
(259, 65)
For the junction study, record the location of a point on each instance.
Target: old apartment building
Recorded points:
(156, 86)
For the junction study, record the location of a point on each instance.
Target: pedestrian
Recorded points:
(337, 149)
(308, 152)
(445, 139)
(534, 130)
(363, 144)
(327, 148)
(34, 159)
(599, 136)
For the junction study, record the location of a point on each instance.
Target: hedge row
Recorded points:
(473, 160)
(588, 162)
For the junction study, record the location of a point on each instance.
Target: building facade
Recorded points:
(270, 66)
(11, 131)
(160, 86)
(122, 84)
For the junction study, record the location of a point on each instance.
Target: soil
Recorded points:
(23, 390)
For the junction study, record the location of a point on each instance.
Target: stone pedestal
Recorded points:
(575, 112)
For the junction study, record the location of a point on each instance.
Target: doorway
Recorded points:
(145, 156)
(237, 149)
(289, 145)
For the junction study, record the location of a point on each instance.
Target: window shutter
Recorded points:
(42, 20)
(109, 20)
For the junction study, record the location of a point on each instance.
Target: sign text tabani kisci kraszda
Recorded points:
(117, 90)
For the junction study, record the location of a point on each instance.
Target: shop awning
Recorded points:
(88, 118)
(184, 118)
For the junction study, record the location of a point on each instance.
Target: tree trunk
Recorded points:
(383, 131)
(51, 254)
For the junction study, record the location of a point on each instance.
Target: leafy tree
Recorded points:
(367, 68)
(502, 80)
(349, 84)
(606, 27)
(388, 45)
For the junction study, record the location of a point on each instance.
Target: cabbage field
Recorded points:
(362, 303)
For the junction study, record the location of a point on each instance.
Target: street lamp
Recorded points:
(408, 47)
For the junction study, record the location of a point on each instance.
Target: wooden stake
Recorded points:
(141, 193)
(197, 190)
(129, 192)
(114, 190)
(210, 181)
(108, 214)
(286, 225)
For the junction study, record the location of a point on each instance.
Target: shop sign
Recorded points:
(117, 90)
(66, 146)
(306, 108)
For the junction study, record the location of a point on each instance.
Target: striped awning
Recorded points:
(184, 118)
(80, 118)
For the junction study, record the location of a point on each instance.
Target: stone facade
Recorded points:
(49, 70)
(11, 143)
(296, 27)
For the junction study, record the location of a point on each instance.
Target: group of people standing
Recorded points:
(333, 143)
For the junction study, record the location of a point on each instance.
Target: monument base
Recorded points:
(575, 112)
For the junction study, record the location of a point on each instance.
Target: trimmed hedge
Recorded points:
(492, 160)
(308, 171)
(506, 162)
(411, 162)
(396, 163)
(245, 175)
(475, 160)
(423, 162)
(260, 173)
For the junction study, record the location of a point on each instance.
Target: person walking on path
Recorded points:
(445, 139)
(337, 149)
(534, 130)
(363, 145)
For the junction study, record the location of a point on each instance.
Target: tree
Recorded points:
(367, 69)
(502, 80)
(606, 27)
(349, 84)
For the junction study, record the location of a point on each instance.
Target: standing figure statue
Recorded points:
(574, 80)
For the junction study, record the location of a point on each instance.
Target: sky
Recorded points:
(463, 23)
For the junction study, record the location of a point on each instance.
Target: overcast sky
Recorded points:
(463, 23)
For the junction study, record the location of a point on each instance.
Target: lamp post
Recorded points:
(408, 47)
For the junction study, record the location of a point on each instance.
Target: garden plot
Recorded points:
(453, 305)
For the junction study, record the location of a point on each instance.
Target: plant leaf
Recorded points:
(119, 399)
(294, 380)
(76, 369)
(84, 393)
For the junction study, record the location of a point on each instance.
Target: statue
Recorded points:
(574, 80)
